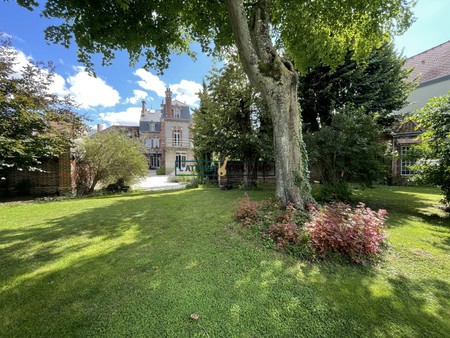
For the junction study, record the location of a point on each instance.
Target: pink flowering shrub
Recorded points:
(357, 233)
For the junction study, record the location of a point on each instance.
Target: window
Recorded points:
(156, 143)
(152, 126)
(405, 165)
(148, 143)
(180, 161)
(177, 112)
(176, 140)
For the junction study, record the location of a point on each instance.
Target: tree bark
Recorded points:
(276, 80)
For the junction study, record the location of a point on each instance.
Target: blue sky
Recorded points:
(114, 96)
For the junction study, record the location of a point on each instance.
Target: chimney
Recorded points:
(168, 103)
(143, 108)
(99, 127)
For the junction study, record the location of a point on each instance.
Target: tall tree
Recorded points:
(232, 119)
(311, 31)
(379, 86)
(35, 124)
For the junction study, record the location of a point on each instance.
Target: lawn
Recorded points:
(139, 264)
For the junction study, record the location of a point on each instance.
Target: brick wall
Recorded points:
(57, 177)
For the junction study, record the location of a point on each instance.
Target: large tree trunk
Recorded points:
(276, 80)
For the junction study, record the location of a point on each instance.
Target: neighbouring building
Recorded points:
(166, 134)
(431, 68)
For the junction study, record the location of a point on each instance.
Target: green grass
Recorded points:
(137, 265)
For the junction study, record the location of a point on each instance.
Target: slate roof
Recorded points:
(431, 64)
(185, 110)
(151, 115)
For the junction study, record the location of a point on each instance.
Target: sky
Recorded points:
(114, 96)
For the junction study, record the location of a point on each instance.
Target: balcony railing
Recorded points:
(177, 143)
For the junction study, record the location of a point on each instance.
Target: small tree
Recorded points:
(433, 153)
(108, 157)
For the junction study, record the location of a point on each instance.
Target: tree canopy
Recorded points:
(311, 31)
(34, 123)
(379, 86)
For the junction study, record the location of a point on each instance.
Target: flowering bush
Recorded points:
(357, 233)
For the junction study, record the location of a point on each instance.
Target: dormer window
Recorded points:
(177, 112)
(152, 126)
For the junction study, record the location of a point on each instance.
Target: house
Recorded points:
(166, 134)
(431, 68)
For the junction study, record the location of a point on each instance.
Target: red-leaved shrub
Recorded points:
(247, 211)
(284, 232)
(357, 233)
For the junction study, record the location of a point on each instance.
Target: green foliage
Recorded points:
(312, 32)
(161, 171)
(433, 153)
(108, 157)
(379, 86)
(231, 119)
(347, 150)
(338, 192)
(316, 32)
(34, 123)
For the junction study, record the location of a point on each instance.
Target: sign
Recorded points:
(233, 169)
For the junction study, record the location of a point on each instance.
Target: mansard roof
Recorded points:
(151, 115)
(431, 64)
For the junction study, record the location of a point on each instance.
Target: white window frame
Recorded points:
(180, 159)
(177, 112)
(177, 137)
(405, 165)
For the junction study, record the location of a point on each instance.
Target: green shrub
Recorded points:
(161, 171)
(333, 193)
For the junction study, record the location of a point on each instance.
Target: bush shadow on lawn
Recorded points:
(131, 268)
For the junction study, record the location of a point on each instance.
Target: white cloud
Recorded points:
(21, 61)
(129, 117)
(150, 82)
(138, 96)
(91, 91)
(58, 86)
(186, 91)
